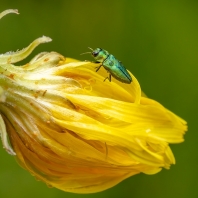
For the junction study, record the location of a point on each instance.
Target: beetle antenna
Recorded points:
(90, 48)
(86, 53)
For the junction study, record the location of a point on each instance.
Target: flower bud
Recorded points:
(75, 132)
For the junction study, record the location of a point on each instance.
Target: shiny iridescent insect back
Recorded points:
(111, 64)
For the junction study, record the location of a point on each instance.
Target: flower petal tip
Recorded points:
(45, 39)
(5, 12)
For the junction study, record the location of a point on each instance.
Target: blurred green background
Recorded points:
(156, 40)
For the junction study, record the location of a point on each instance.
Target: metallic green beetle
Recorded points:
(111, 64)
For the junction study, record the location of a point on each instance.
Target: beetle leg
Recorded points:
(97, 68)
(108, 78)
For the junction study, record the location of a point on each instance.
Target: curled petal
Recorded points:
(4, 137)
(5, 12)
(13, 57)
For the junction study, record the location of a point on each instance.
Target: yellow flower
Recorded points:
(75, 132)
